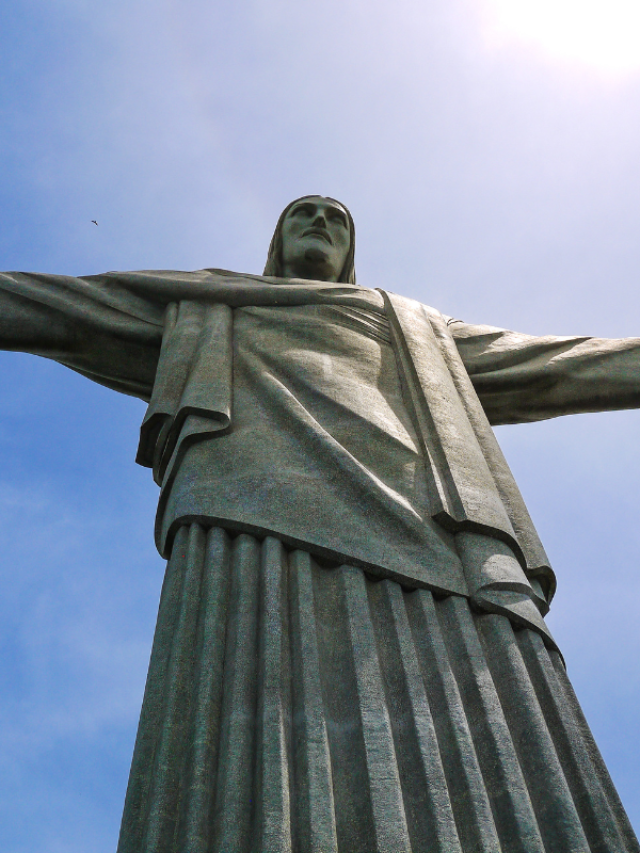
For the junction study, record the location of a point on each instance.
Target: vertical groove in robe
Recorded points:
(425, 794)
(169, 759)
(469, 797)
(340, 708)
(273, 813)
(205, 732)
(503, 778)
(389, 819)
(314, 805)
(598, 820)
(234, 810)
(598, 765)
(135, 811)
(558, 820)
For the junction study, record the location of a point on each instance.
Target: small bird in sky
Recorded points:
(94, 222)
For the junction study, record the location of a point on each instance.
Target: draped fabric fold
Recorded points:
(534, 557)
(191, 397)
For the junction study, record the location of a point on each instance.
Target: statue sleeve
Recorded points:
(522, 378)
(96, 325)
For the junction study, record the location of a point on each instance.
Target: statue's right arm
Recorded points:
(95, 325)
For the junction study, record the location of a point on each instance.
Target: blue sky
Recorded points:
(493, 180)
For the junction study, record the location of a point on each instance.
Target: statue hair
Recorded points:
(274, 258)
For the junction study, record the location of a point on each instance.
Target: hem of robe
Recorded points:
(412, 575)
(512, 595)
(293, 706)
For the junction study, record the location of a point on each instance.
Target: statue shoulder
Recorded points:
(410, 304)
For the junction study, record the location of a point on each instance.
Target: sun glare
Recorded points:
(601, 33)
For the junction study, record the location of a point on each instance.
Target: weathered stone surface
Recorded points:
(350, 653)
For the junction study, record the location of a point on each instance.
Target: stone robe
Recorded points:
(329, 429)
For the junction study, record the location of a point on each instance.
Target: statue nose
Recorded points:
(320, 220)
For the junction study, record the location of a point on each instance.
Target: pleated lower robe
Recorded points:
(293, 706)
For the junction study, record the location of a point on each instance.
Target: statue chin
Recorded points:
(314, 255)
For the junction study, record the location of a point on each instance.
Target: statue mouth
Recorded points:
(318, 232)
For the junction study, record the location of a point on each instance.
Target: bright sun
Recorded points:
(602, 33)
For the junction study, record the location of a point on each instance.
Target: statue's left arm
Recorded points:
(521, 378)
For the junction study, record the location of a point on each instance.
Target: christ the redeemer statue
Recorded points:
(351, 654)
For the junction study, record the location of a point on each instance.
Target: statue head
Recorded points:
(315, 238)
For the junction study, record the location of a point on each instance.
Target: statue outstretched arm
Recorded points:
(97, 325)
(523, 378)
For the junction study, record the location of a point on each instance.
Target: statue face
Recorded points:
(315, 239)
